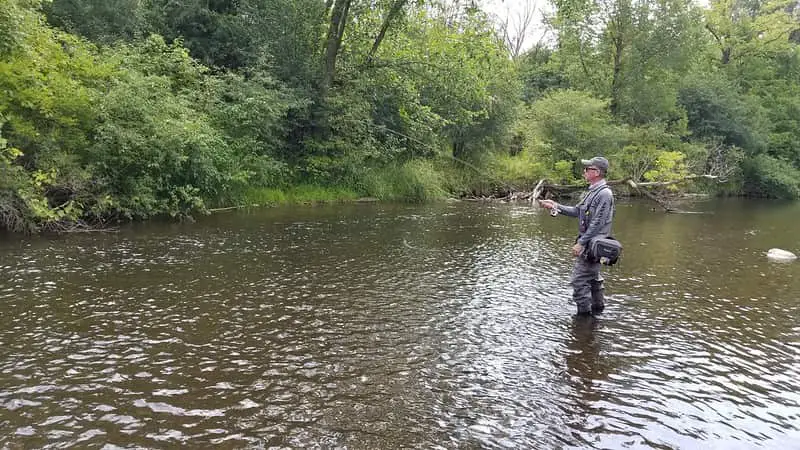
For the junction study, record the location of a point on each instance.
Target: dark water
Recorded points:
(380, 326)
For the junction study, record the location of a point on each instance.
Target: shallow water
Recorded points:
(389, 326)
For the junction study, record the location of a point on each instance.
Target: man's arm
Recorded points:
(571, 211)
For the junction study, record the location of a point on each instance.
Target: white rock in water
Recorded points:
(780, 255)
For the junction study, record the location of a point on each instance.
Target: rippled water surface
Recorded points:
(382, 326)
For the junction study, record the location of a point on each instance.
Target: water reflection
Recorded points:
(586, 369)
(379, 326)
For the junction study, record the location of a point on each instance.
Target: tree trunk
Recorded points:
(333, 43)
(726, 55)
(619, 26)
(458, 149)
(615, 82)
(725, 49)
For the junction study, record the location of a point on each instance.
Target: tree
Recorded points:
(745, 28)
(567, 125)
(632, 53)
(515, 29)
(333, 42)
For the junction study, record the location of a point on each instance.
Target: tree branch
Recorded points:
(396, 8)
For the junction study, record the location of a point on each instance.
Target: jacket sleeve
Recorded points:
(570, 211)
(601, 215)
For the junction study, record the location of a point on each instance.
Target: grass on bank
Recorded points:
(416, 181)
(302, 194)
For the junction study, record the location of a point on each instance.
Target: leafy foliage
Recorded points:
(104, 21)
(714, 109)
(125, 109)
(156, 153)
(413, 181)
(568, 125)
(767, 176)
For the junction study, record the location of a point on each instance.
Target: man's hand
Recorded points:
(549, 204)
(577, 249)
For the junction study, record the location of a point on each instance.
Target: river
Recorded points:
(403, 326)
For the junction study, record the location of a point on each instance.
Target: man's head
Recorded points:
(595, 168)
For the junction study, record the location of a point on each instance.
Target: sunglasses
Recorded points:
(586, 169)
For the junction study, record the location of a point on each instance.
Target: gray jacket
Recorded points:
(595, 212)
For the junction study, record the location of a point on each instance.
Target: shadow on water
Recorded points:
(386, 326)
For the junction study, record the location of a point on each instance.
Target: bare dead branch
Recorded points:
(652, 197)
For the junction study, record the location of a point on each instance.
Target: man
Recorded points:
(595, 212)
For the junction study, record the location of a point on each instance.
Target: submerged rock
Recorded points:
(777, 254)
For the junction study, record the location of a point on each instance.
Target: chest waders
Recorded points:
(596, 285)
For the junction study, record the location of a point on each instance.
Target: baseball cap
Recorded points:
(598, 161)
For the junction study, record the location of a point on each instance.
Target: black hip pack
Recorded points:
(605, 250)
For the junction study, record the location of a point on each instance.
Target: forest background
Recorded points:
(127, 109)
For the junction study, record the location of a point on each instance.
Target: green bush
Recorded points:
(522, 171)
(17, 190)
(715, 109)
(567, 125)
(765, 176)
(51, 83)
(154, 153)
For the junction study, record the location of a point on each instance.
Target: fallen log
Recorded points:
(625, 181)
(661, 201)
(544, 189)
